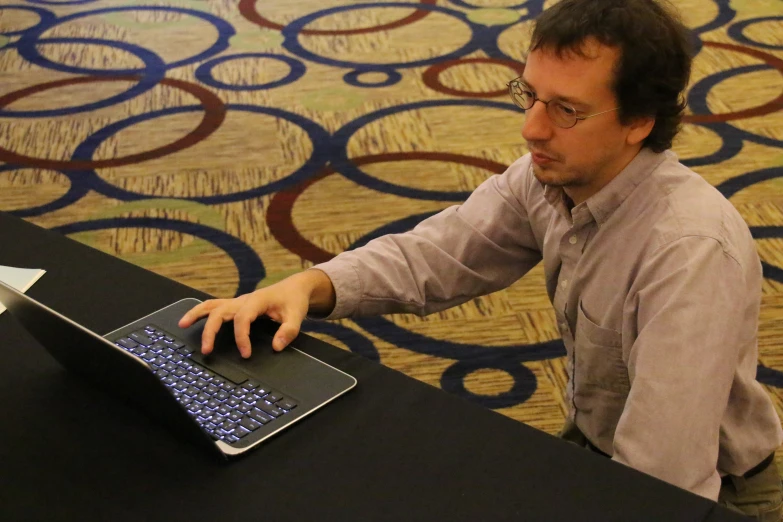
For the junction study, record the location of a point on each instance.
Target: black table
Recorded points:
(392, 449)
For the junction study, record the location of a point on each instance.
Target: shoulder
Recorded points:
(684, 205)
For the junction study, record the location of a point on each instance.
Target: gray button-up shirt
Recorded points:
(656, 285)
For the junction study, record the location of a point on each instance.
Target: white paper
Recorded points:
(20, 278)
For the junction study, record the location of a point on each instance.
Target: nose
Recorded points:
(537, 126)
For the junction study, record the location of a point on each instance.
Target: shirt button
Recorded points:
(564, 283)
(563, 327)
(572, 239)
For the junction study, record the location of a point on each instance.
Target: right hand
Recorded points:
(286, 302)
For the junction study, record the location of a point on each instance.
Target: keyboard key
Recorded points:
(180, 372)
(149, 357)
(249, 424)
(250, 384)
(229, 386)
(171, 381)
(227, 426)
(212, 389)
(212, 404)
(286, 404)
(162, 373)
(190, 378)
(221, 396)
(177, 358)
(233, 402)
(127, 343)
(141, 338)
(240, 432)
(187, 401)
(270, 409)
(236, 416)
(180, 386)
(224, 410)
(244, 408)
(202, 398)
(273, 397)
(192, 392)
(260, 416)
(186, 350)
(231, 438)
(177, 344)
(201, 384)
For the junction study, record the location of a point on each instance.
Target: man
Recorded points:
(653, 275)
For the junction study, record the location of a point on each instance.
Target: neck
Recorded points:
(581, 193)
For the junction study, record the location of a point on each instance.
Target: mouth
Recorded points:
(541, 159)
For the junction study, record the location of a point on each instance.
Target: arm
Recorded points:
(473, 249)
(696, 309)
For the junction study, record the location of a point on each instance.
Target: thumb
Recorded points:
(286, 333)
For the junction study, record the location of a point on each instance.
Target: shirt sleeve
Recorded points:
(465, 251)
(694, 313)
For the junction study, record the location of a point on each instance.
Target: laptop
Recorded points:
(221, 402)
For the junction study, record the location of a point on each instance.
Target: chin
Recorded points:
(546, 176)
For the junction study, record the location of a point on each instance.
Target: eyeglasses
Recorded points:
(561, 114)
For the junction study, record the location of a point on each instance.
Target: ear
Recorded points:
(639, 129)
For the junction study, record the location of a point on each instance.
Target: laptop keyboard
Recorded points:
(226, 410)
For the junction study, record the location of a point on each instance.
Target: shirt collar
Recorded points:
(603, 203)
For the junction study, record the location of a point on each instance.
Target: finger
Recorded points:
(246, 315)
(197, 312)
(287, 332)
(211, 328)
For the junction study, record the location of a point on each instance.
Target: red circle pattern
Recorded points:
(214, 114)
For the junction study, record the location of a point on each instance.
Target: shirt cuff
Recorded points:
(347, 287)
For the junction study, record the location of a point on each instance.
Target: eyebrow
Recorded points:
(572, 101)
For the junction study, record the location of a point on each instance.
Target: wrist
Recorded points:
(322, 296)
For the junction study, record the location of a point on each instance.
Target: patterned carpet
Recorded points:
(227, 145)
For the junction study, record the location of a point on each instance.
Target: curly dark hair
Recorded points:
(655, 55)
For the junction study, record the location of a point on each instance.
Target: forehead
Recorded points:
(586, 75)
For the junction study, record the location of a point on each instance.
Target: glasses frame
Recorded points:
(517, 82)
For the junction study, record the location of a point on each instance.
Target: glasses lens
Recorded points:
(562, 115)
(520, 96)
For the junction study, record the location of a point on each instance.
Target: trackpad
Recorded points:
(222, 366)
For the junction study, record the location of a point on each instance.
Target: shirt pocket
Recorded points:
(599, 357)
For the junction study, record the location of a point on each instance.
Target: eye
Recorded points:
(565, 110)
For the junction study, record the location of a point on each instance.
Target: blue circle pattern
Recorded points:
(736, 31)
(204, 72)
(251, 269)
(89, 179)
(392, 77)
(32, 37)
(154, 68)
(326, 147)
(343, 164)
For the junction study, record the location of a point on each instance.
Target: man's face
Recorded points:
(586, 157)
